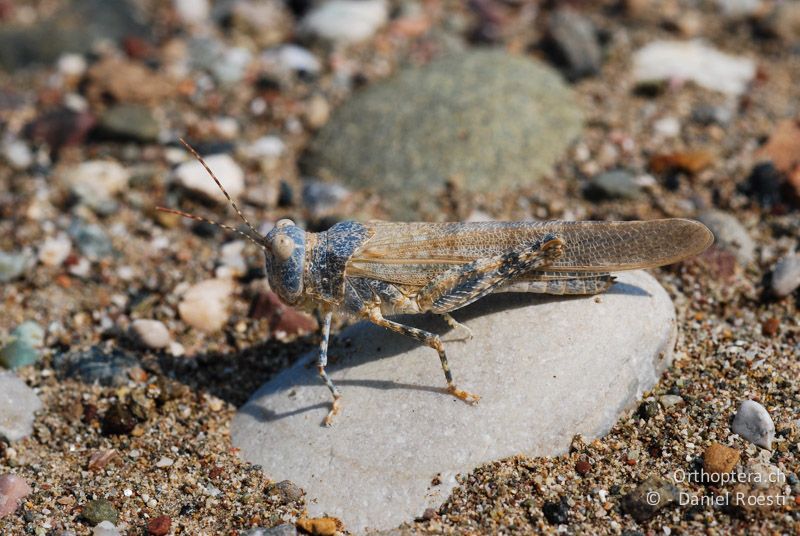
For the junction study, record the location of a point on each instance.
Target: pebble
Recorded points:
(18, 155)
(668, 127)
(231, 66)
(99, 510)
(192, 176)
(18, 403)
(24, 346)
(151, 333)
(95, 183)
(708, 114)
(266, 22)
(321, 198)
(730, 235)
(12, 265)
(134, 122)
(319, 526)
(653, 494)
(106, 367)
(288, 490)
(280, 530)
(71, 65)
(159, 526)
(91, 239)
(556, 512)
(164, 462)
(292, 58)
(753, 423)
(345, 21)
(192, 12)
(695, 61)
(266, 147)
(668, 401)
(629, 334)
(118, 420)
(739, 8)
(55, 250)
(206, 305)
(617, 184)
(106, 528)
(232, 260)
(283, 320)
(719, 459)
(518, 112)
(765, 184)
(786, 275)
(573, 44)
(12, 490)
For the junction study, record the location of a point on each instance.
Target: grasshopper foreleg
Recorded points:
(322, 362)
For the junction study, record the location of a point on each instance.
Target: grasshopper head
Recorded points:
(285, 252)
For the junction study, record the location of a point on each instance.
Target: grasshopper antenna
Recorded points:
(199, 158)
(212, 222)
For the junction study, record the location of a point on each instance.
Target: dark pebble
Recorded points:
(118, 420)
(91, 239)
(572, 44)
(60, 128)
(108, 368)
(556, 512)
(764, 184)
(98, 511)
(647, 410)
(129, 122)
(617, 184)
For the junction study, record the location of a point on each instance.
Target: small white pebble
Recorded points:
(55, 250)
(72, 65)
(164, 462)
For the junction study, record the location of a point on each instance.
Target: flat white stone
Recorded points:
(547, 368)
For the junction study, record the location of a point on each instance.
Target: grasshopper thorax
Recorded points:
(285, 254)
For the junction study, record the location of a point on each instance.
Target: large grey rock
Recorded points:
(547, 369)
(18, 403)
(485, 117)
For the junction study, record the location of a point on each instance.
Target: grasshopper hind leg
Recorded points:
(434, 342)
(455, 324)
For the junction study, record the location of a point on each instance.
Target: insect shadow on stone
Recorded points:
(377, 269)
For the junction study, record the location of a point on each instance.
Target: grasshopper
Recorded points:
(377, 269)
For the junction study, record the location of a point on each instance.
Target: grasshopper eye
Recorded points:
(282, 247)
(283, 223)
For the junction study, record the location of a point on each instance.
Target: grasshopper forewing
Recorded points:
(377, 269)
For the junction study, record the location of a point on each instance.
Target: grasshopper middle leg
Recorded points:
(434, 342)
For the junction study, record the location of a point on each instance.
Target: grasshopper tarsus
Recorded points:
(373, 269)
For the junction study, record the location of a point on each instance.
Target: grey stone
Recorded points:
(18, 403)
(669, 401)
(130, 122)
(13, 265)
(616, 184)
(730, 234)
(280, 530)
(753, 423)
(786, 275)
(91, 239)
(547, 368)
(573, 43)
(488, 118)
(75, 28)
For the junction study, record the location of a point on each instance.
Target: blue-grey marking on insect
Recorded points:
(377, 269)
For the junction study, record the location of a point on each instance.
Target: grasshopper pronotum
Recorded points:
(377, 269)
